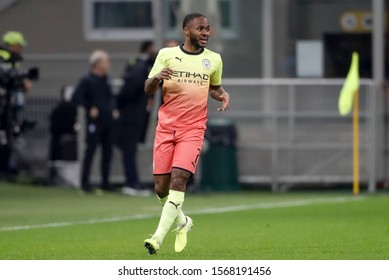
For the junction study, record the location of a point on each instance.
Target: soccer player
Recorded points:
(188, 73)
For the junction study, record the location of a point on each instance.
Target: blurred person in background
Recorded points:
(135, 108)
(94, 93)
(63, 134)
(170, 43)
(13, 85)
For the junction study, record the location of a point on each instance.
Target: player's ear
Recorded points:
(186, 30)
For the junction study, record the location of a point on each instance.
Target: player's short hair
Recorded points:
(189, 17)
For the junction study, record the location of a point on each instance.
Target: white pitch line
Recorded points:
(236, 208)
(271, 205)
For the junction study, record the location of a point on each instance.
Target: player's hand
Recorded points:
(225, 102)
(165, 74)
(94, 112)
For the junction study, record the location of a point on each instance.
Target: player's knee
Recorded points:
(178, 184)
(161, 188)
(179, 180)
(161, 192)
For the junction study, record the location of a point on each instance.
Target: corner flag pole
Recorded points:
(349, 101)
(356, 144)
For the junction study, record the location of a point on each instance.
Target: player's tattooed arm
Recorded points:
(218, 93)
(152, 84)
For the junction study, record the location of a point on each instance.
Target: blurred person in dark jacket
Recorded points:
(135, 107)
(63, 119)
(63, 140)
(94, 93)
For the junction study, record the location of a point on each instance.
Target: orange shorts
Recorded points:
(180, 149)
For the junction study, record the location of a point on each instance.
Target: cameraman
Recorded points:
(11, 54)
(12, 90)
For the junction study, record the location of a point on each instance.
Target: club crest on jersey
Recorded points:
(206, 63)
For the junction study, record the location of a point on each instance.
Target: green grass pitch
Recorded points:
(64, 224)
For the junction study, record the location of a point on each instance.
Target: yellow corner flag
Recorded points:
(350, 87)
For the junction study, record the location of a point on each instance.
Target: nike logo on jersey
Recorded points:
(175, 204)
(180, 59)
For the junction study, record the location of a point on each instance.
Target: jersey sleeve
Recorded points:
(216, 76)
(159, 64)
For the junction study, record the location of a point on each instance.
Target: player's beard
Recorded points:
(195, 42)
